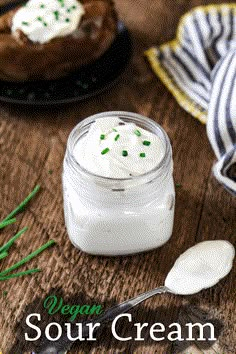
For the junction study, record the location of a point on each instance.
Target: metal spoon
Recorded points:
(177, 282)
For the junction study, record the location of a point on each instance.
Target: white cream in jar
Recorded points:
(115, 149)
(118, 185)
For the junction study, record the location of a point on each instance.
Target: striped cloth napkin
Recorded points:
(199, 69)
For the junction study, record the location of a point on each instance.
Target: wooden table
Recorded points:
(32, 146)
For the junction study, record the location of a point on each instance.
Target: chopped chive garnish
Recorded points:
(73, 7)
(105, 151)
(142, 154)
(102, 136)
(12, 240)
(25, 23)
(42, 6)
(27, 258)
(45, 24)
(20, 274)
(114, 130)
(137, 132)
(178, 185)
(56, 14)
(62, 3)
(39, 18)
(6, 223)
(124, 153)
(3, 255)
(67, 20)
(117, 137)
(68, 10)
(146, 143)
(22, 205)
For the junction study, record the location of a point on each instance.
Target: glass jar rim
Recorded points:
(122, 115)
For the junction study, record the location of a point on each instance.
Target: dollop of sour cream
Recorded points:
(42, 20)
(200, 267)
(115, 149)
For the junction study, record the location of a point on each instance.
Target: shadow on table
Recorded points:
(190, 313)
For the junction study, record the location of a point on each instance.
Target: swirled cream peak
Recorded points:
(115, 149)
(43, 20)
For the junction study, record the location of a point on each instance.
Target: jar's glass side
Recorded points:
(122, 230)
(121, 221)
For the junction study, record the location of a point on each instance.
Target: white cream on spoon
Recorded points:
(200, 267)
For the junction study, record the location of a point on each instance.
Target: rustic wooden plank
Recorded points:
(33, 142)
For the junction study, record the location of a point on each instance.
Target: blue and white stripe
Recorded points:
(221, 123)
(199, 68)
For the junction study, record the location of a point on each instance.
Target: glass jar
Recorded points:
(108, 216)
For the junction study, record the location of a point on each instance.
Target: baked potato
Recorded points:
(24, 60)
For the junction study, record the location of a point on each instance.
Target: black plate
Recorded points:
(85, 82)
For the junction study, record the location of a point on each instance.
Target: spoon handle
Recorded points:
(63, 344)
(127, 305)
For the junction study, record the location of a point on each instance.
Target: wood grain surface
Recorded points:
(33, 141)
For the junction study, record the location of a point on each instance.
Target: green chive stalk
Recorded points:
(27, 258)
(3, 255)
(12, 240)
(6, 223)
(21, 206)
(20, 274)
